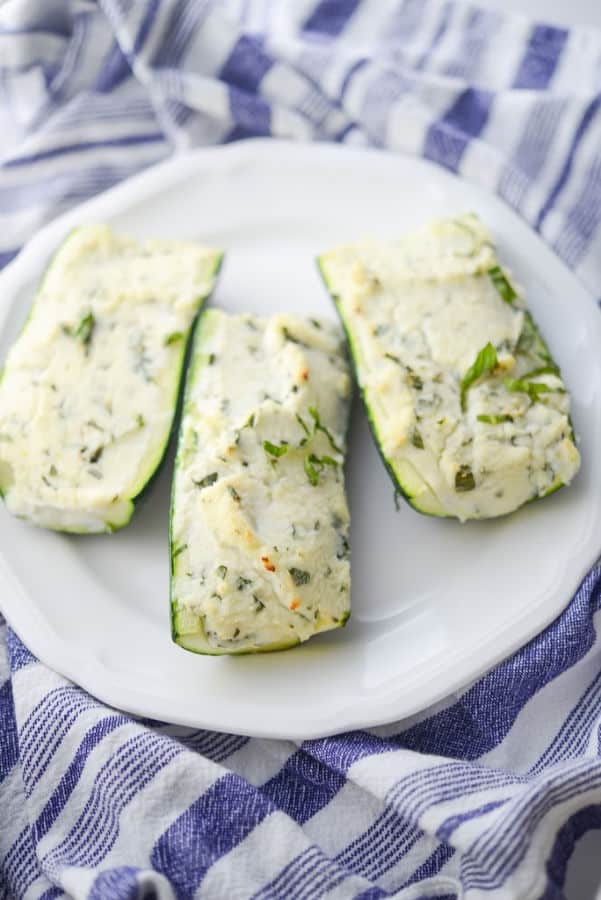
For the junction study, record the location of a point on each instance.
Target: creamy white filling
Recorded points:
(259, 519)
(419, 312)
(89, 388)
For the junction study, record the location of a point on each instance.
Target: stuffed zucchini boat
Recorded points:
(466, 404)
(259, 519)
(89, 390)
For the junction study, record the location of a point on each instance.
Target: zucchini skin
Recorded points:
(185, 357)
(187, 626)
(63, 519)
(399, 488)
(345, 271)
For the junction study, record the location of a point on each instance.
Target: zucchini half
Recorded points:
(89, 390)
(259, 521)
(465, 402)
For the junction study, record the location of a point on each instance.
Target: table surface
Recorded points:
(584, 872)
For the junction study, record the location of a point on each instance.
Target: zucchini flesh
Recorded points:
(89, 389)
(466, 404)
(259, 519)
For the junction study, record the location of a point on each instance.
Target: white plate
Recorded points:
(435, 603)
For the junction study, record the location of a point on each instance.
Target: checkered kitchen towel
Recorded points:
(484, 797)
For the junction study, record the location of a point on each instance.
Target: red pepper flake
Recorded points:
(267, 564)
(304, 374)
(294, 604)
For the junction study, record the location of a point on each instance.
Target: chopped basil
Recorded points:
(178, 550)
(542, 370)
(243, 583)
(415, 381)
(299, 576)
(417, 440)
(288, 336)
(207, 481)
(303, 425)
(314, 466)
(234, 494)
(53, 471)
(259, 605)
(499, 279)
(83, 330)
(212, 358)
(96, 454)
(393, 358)
(221, 571)
(484, 364)
(274, 449)
(140, 420)
(531, 343)
(495, 420)
(172, 338)
(533, 388)
(464, 480)
(311, 472)
(319, 427)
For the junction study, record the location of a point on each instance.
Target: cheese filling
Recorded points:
(259, 532)
(89, 389)
(466, 402)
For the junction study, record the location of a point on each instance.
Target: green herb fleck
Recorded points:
(393, 358)
(542, 370)
(311, 472)
(53, 471)
(243, 583)
(172, 338)
(178, 550)
(140, 420)
(499, 279)
(464, 480)
(83, 330)
(299, 576)
(303, 425)
(259, 605)
(212, 358)
(417, 440)
(234, 494)
(319, 427)
(207, 481)
(533, 388)
(96, 454)
(484, 364)
(274, 449)
(415, 381)
(221, 571)
(495, 420)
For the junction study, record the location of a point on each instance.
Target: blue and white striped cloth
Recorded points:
(485, 796)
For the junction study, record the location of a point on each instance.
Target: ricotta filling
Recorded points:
(89, 389)
(467, 404)
(260, 523)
